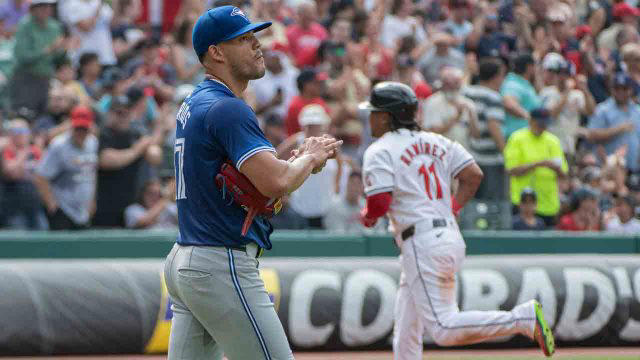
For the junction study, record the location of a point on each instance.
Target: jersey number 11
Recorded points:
(427, 183)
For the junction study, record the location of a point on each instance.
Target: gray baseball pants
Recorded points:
(220, 305)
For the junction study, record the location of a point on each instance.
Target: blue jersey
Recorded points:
(214, 126)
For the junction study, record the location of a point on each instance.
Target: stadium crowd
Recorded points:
(543, 93)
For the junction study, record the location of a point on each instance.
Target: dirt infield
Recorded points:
(567, 354)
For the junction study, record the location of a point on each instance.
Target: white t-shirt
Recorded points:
(98, 40)
(313, 198)
(394, 28)
(566, 125)
(266, 87)
(437, 111)
(418, 167)
(630, 227)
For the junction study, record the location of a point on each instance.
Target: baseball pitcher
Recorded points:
(228, 180)
(408, 174)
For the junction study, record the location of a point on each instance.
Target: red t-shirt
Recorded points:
(381, 61)
(568, 223)
(10, 153)
(297, 103)
(304, 43)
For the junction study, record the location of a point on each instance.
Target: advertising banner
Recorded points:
(122, 306)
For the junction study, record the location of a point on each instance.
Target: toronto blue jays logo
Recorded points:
(237, 11)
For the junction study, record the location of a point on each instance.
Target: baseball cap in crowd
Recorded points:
(553, 62)
(623, 9)
(542, 116)
(313, 114)
(309, 74)
(120, 102)
(622, 79)
(591, 173)
(81, 117)
(528, 194)
(582, 31)
(222, 24)
(112, 76)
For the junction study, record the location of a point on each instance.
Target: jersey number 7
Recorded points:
(427, 183)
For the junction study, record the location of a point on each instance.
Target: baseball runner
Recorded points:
(408, 173)
(227, 181)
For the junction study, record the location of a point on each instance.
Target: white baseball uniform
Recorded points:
(418, 168)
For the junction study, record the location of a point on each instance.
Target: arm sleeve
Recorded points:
(378, 205)
(509, 89)
(50, 165)
(234, 125)
(459, 158)
(377, 171)
(597, 120)
(132, 214)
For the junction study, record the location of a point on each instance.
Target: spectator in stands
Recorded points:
(458, 24)
(448, 112)
(90, 22)
(115, 83)
(89, 70)
(277, 88)
(66, 177)
(378, 59)
(488, 40)
(630, 54)
(442, 54)
(488, 145)
(21, 205)
(519, 94)
(526, 219)
(305, 35)
(311, 86)
(399, 23)
(39, 42)
(623, 220)
(65, 77)
(183, 59)
(568, 98)
(534, 158)
(55, 120)
(120, 155)
(344, 214)
(150, 70)
(312, 201)
(616, 122)
(623, 14)
(11, 12)
(155, 209)
(585, 215)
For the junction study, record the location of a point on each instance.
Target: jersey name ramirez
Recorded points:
(421, 148)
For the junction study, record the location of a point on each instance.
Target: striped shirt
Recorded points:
(488, 104)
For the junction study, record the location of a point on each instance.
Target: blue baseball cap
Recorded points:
(542, 116)
(221, 24)
(622, 79)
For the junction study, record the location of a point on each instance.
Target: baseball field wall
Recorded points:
(111, 306)
(156, 244)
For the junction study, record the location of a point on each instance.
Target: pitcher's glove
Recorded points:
(239, 189)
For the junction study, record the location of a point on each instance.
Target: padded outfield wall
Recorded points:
(157, 244)
(120, 306)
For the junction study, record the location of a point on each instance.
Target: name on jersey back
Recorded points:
(421, 148)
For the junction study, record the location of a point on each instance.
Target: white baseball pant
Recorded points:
(426, 297)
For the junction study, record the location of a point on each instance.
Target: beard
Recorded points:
(248, 71)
